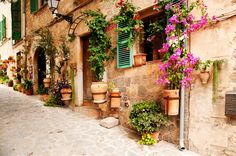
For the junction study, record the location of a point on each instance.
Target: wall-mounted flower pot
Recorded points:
(46, 82)
(171, 101)
(115, 99)
(204, 76)
(139, 59)
(99, 91)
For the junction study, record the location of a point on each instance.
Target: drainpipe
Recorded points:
(181, 123)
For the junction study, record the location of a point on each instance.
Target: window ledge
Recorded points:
(20, 41)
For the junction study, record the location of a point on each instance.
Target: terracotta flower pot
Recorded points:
(29, 91)
(46, 82)
(171, 102)
(99, 91)
(115, 99)
(139, 59)
(66, 93)
(204, 76)
(155, 135)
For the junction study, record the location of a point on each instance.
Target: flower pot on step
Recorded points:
(204, 76)
(171, 102)
(155, 135)
(99, 91)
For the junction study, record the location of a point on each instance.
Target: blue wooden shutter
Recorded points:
(16, 20)
(3, 26)
(124, 53)
(33, 5)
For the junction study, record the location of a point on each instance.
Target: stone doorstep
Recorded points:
(109, 122)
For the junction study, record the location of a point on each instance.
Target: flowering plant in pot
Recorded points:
(100, 52)
(66, 90)
(28, 86)
(178, 63)
(147, 119)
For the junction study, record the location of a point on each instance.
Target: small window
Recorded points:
(154, 36)
(34, 6)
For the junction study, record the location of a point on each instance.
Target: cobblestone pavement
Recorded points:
(27, 128)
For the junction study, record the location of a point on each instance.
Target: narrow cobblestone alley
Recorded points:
(30, 129)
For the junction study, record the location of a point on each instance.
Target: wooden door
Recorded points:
(88, 76)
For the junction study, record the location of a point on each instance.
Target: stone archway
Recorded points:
(39, 68)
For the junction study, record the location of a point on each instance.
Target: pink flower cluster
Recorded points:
(180, 63)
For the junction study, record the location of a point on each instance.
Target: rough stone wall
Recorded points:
(210, 131)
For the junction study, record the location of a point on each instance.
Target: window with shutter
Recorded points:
(3, 26)
(33, 5)
(124, 53)
(16, 20)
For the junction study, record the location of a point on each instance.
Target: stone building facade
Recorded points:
(208, 131)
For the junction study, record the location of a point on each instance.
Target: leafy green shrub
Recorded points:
(146, 117)
(15, 87)
(52, 102)
(147, 140)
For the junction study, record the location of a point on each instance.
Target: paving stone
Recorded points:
(29, 128)
(109, 122)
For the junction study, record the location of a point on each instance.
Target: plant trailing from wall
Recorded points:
(177, 64)
(46, 42)
(99, 43)
(72, 76)
(216, 67)
(130, 20)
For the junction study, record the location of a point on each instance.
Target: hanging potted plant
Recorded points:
(47, 81)
(147, 119)
(100, 52)
(204, 71)
(177, 64)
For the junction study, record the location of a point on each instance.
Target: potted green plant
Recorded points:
(66, 90)
(147, 119)
(10, 83)
(28, 87)
(204, 66)
(100, 52)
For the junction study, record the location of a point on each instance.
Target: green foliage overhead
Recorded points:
(146, 117)
(99, 43)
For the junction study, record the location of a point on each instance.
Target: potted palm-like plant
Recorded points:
(147, 119)
(28, 87)
(100, 52)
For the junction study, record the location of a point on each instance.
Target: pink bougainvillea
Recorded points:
(178, 64)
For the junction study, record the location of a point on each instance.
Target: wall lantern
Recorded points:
(53, 6)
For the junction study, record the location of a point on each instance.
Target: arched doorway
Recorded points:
(39, 67)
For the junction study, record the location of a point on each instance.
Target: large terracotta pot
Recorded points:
(204, 76)
(99, 91)
(46, 82)
(171, 102)
(66, 93)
